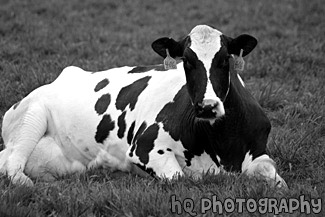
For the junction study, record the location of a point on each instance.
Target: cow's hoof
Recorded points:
(282, 184)
(22, 179)
(279, 182)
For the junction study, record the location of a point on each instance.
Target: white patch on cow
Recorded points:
(211, 96)
(262, 166)
(241, 80)
(200, 165)
(206, 42)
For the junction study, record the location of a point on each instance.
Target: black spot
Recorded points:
(178, 118)
(102, 103)
(86, 149)
(130, 133)
(141, 69)
(160, 151)
(121, 125)
(138, 133)
(103, 129)
(196, 76)
(149, 170)
(173, 112)
(168, 149)
(16, 105)
(188, 157)
(129, 94)
(101, 85)
(145, 143)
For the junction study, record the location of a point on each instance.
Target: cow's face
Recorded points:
(205, 53)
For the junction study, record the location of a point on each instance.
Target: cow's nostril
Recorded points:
(207, 109)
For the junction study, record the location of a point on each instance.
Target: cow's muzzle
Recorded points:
(208, 109)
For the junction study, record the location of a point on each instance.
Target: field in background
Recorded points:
(286, 73)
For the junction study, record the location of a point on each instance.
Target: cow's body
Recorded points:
(132, 115)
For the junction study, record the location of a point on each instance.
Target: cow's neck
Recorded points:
(244, 119)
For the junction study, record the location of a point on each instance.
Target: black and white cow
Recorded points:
(193, 119)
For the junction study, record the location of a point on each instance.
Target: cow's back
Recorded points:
(87, 111)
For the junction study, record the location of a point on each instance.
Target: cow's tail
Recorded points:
(22, 142)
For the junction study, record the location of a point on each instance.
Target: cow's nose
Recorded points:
(209, 104)
(207, 109)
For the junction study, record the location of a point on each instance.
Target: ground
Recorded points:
(286, 74)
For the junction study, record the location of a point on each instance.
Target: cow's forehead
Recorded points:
(205, 41)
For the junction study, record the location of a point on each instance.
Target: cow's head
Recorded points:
(205, 53)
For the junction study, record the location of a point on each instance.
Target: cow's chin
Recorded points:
(211, 118)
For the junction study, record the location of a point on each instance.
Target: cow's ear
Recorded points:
(175, 48)
(245, 42)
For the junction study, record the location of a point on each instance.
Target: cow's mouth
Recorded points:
(208, 113)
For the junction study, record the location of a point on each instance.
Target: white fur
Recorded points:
(262, 166)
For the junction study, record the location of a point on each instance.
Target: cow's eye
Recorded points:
(185, 60)
(187, 64)
(225, 62)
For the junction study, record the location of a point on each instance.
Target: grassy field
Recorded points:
(286, 73)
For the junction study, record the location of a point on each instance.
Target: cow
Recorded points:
(193, 119)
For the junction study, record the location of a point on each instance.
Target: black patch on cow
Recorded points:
(196, 76)
(130, 133)
(102, 103)
(160, 151)
(145, 143)
(219, 73)
(121, 125)
(101, 85)
(16, 105)
(147, 169)
(104, 127)
(138, 133)
(188, 157)
(128, 95)
(177, 116)
(168, 149)
(141, 69)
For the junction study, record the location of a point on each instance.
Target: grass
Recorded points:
(285, 73)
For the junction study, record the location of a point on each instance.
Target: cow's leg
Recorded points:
(164, 164)
(48, 162)
(160, 165)
(21, 141)
(155, 156)
(263, 166)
